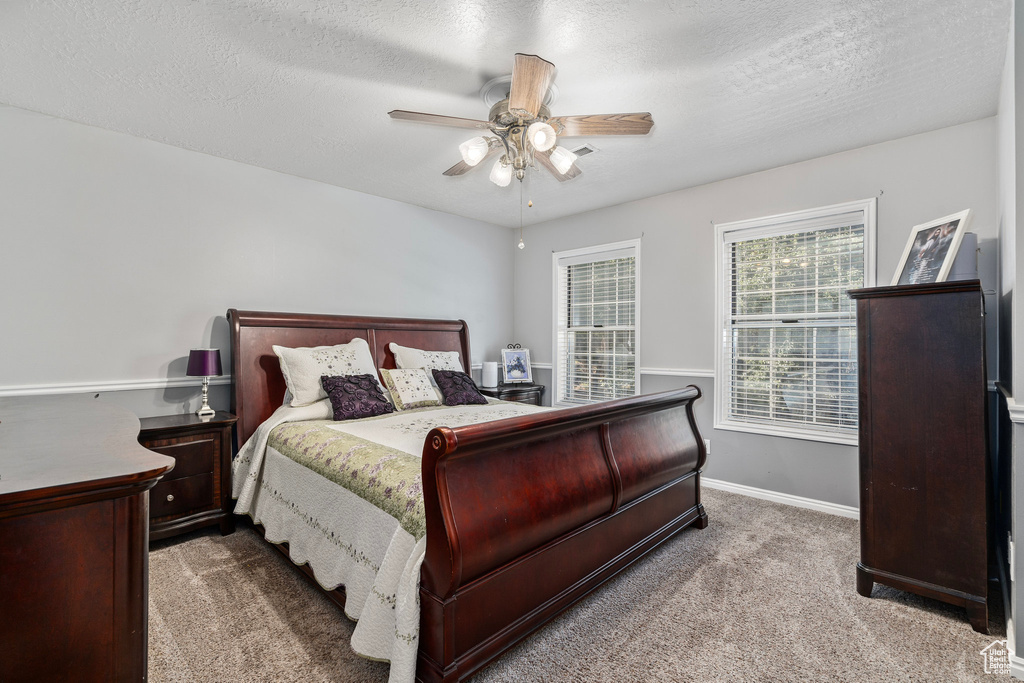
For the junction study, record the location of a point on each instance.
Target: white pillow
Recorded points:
(303, 367)
(410, 388)
(408, 358)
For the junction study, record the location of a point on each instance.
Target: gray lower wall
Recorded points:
(915, 179)
(120, 254)
(788, 466)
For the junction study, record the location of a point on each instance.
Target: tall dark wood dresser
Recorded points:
(924, 468)
(74, 524)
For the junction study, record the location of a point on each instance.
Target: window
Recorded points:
(787, 361)
(597, 310)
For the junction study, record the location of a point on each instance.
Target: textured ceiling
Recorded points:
(304, 86)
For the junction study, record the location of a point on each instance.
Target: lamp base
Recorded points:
(205, 411)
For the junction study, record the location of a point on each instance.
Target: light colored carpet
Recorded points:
(765, 593)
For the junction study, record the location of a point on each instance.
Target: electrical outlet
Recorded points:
(707, 446)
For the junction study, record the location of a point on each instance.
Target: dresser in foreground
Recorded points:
(74, 535)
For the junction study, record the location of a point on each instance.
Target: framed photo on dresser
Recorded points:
(931, 250)
(515, 366)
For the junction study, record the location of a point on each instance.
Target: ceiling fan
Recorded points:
(523, 131)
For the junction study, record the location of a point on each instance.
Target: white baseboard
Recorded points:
(1016, 663)
(1016, 667)
(784, 498)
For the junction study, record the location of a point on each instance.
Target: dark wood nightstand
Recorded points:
(523, 392)
(197, 492)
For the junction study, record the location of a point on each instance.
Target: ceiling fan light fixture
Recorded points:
(520, 128)
(501, 174)
(474, 150)
(541, 135)
(562, 159)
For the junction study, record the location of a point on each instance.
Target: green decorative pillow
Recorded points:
(410, 388)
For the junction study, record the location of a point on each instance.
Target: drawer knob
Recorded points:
(170, 497)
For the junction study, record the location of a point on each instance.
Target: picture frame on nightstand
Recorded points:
(515, 366)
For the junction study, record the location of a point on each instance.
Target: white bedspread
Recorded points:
(345, 539)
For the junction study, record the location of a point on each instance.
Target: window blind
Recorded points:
(596, 326)
(789, 336)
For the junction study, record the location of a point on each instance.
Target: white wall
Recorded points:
(120, 254)
(1007, 220)
(915, 179)
(1011, 433)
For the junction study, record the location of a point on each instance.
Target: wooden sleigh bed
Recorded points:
(524, 516)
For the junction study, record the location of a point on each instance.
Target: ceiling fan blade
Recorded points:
(459, 169)
(531, 78)
(544, 158)
(638, 123)
(463, 167)
(438, 119)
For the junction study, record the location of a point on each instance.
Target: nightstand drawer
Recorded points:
(532, 398)
(520, 392)
(181, 495)
(200, 483)
(191, 457)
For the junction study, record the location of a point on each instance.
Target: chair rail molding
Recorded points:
(1015, 409)
(664, 372)
(120, 385)
(114, 385)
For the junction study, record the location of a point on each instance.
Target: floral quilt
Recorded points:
(385, 477)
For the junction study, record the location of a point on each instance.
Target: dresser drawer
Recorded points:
(192, 457)
(176, 496)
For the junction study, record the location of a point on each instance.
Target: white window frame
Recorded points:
(583, 255)
(780, 224)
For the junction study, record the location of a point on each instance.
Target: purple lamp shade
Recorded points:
(203, 363)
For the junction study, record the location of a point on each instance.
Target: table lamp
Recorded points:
(204, 363)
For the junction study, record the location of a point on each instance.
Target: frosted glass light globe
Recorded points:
(474, 150)
(501, 175)
(541, 135)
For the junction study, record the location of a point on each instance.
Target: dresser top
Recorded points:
(54, 446)
(915, 290)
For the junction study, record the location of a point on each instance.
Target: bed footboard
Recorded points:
(526, 516)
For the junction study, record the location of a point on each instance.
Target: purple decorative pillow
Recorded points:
(457, 388)
(355, 396)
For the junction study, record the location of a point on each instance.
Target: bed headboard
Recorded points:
(257, 385)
